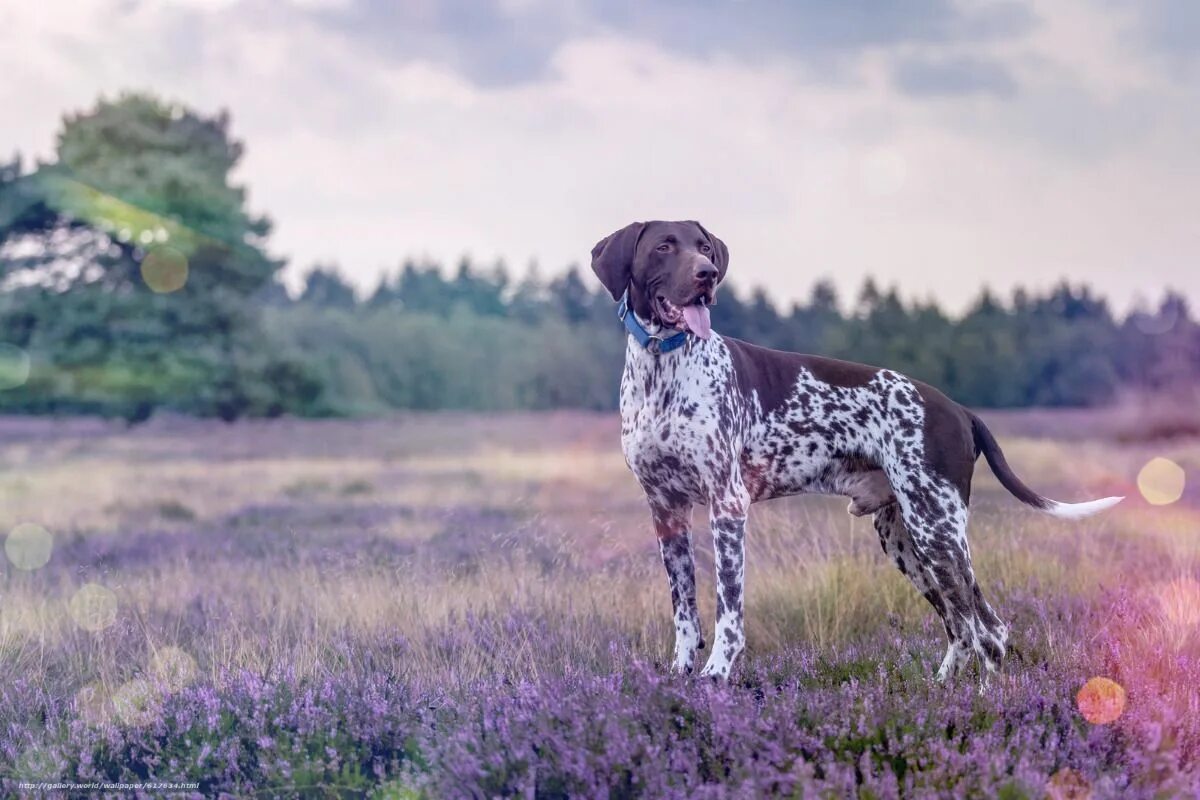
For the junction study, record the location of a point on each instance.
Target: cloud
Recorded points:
(491, 42)
(1169, 28)
(497, 42)
(827, 148)
(951, 77)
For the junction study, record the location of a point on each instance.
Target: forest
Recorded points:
(133, 280)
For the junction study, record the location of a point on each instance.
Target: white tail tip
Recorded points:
(1081, 510)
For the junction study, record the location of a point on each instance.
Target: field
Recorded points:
(468, 606)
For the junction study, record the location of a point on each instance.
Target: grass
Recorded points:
(462, 567)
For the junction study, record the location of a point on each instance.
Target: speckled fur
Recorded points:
(697, 431)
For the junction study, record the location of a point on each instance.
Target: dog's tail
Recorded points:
(986, 444)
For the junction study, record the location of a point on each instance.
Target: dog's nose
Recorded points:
(706, 273)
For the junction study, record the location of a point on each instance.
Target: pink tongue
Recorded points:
(696, 317)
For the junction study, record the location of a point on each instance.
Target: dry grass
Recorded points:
(462, 523)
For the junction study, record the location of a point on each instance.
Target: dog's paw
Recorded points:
(716, 670)
(683, 666)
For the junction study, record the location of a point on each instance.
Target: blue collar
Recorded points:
(652, 343)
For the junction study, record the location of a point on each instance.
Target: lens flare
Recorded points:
(174, 667)
(1179, 605)
(165, 270)
(1156, 324)
(1067, 784)
(1101, 701)
(36, 764)
(28, 546)
(94, 607)
(14, 366)
(92, 704)
(134, 703)
(1161, 481)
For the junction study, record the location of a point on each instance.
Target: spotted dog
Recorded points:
(708, 419)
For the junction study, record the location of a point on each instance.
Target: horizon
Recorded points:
(943, 147)
(845, 302)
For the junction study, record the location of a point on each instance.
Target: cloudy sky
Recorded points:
(934, 144)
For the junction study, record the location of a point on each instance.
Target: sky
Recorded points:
(939, 146)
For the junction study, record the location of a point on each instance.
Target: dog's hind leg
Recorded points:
(673, 527)
(937, 560)
(931, 478)
(900, 547)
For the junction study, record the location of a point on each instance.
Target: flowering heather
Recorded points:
(460, 607)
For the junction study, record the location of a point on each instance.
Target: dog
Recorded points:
(708, 419)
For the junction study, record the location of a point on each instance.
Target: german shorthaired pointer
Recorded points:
(711, 420)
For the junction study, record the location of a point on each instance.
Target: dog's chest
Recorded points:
(675, 422)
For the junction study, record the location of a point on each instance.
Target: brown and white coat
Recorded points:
(724, 423)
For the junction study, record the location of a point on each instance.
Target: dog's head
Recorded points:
(670, 269)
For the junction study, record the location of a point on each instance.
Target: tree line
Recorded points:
(133, 279)
(1063, 347)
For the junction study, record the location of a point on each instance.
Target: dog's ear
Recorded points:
(720, 256)
(612, 258)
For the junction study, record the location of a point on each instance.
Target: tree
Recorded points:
(324, 286)
(570, 296)
(480, 293)
(528, 302)
(763, 322)
(135, 258)
(869, 297)
(984, 366)
(1067, 343)
(420, 287)
(730, 314)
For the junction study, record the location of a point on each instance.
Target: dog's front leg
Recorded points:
(673, 526)
(729, 554)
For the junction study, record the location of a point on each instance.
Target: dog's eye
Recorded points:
(705, 249)
(665, 247)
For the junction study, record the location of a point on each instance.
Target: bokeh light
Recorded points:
(1101, 701)
(174, 667)
(28, 546)
(1067, 784)
(92, 704)
(37, 763)
(1179, 604)
(1161, 481)
(165, 270)
(1155, 324)
(14, 366)
(94, 607)
(134, 703)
